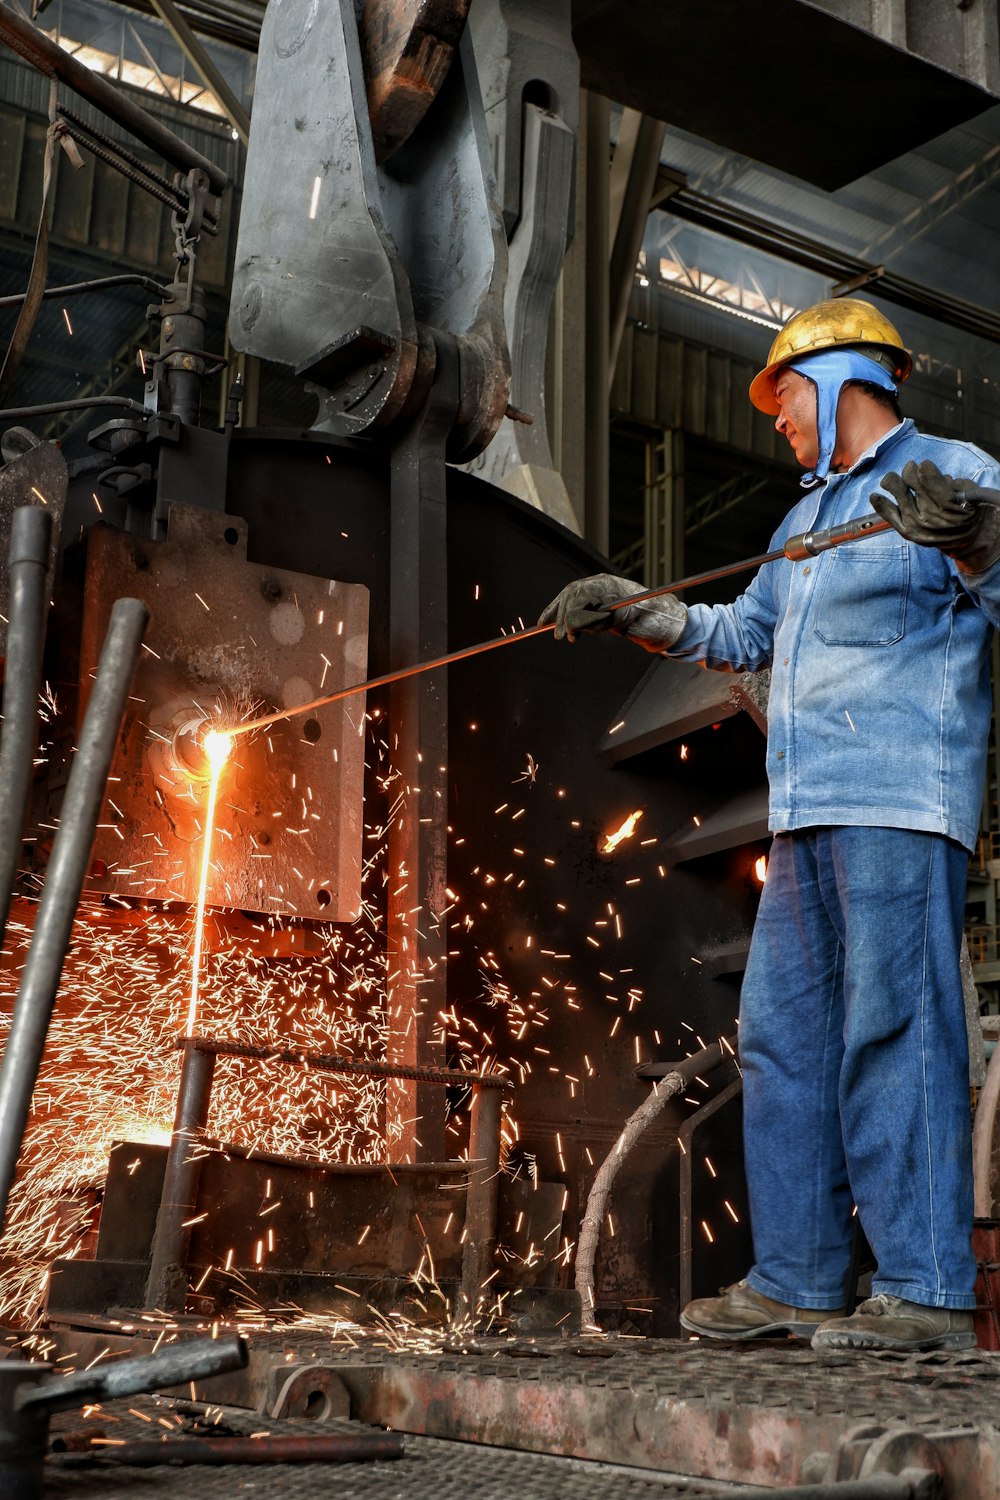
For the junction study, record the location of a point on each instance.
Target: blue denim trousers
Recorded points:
(855, 1063)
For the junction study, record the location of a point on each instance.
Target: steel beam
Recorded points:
(597, 312)
(418, 714)
(633, 176)
(207, 70)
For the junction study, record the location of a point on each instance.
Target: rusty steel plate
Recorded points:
(229, 640)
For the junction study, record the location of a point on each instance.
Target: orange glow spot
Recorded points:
(627, 829)
(760, 869)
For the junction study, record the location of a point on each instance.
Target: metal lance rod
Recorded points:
(807, 544)
(81, 809)
(321, 1448)
(28, 562)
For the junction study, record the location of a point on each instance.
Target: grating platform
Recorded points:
(448, 1470)
(773, 1413)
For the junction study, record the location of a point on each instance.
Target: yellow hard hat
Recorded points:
(840, 322)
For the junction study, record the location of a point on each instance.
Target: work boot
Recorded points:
(885, 1322)
(742, 1313)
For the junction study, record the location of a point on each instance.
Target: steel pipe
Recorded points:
(481, 1199)
(29, 1395)
(81, 809)
(28, 562)
(83, 403)
(177, 1364)
(49, 58)
(166, 1285)
(100, 284)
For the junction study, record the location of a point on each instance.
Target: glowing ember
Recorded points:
(760, 868)
(217, 748)
(612, 840)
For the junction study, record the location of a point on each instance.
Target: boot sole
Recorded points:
(886, 1341)
(803, 1331)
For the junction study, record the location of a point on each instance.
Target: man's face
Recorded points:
(797, 419)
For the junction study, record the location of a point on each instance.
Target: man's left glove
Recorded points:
(954, 515)
(582, 609)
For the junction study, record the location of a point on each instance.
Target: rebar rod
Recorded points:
(28, 562)
(321, 1062)
(67, 870)
(44, 54)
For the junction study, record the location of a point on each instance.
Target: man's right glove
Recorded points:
(582, 608)
(954, 515)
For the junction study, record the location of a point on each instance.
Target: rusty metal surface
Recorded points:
(750, 1414)
(769, 1414)
(406, 48)
(228, 636)
(38, 477)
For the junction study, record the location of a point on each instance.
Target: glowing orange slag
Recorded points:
(760, 868)
(217, 747)
(612, 840)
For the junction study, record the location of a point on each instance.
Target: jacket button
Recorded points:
(785, 662)
(781, 754)
(805, 571)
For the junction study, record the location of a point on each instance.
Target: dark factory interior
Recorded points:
(392, 1101)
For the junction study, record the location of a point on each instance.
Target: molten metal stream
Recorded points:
(217, 748)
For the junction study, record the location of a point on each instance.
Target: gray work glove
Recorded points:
(934, 510)
(581, 608)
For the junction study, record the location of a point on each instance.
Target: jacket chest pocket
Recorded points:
(861, 596)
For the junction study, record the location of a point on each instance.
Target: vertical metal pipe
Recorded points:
(481, 1201)
(81, 809)
(166, 1287)
(28, 561)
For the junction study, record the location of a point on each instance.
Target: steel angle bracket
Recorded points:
(530, 78)
(229, 638)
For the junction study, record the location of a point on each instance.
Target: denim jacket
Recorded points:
(879, 706)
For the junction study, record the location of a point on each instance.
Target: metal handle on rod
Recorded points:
(64, 881)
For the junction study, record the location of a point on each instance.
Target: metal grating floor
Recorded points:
(429, 1467)
(554, 1416)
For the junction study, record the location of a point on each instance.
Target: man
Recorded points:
(852, 1035)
